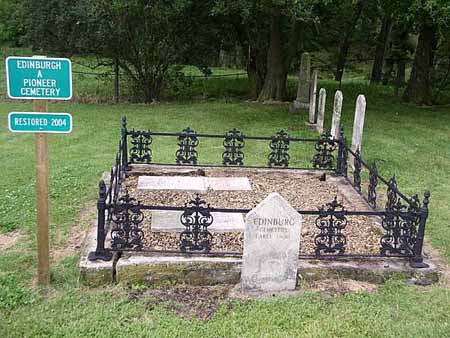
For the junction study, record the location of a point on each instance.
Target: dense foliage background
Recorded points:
(405, 43)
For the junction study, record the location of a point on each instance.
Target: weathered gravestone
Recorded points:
(302, 100)
(337, 111)
(313, 98)
(321, 110)
(271, 246)
(358, 124)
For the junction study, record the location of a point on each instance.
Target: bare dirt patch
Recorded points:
(334, 287)
(186, 301)
(9, 239)
(74, 240)
(202, 302)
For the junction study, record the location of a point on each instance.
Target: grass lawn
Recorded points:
(408, 141)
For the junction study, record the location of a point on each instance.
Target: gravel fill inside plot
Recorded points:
(301, 190)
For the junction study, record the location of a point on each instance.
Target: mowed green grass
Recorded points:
(411, 142)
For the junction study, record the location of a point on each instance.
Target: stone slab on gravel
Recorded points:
(193, 183)
(169, 221)
(179, 183)
(229, 183)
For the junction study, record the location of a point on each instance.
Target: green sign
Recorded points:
(40, 122)
(39, 78)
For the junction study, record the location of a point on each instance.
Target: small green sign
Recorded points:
(39, 78)
(60, 123)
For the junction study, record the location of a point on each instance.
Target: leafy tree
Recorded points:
(147, 38)
(431, 16)
(12, 28)
(272, 32)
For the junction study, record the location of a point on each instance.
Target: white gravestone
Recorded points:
(321, 110)
(358, 124)
(313, 98)
(302, 100)
(271, 246)
(337, 111)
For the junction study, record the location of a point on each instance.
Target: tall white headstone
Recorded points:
(321, 110)
(313, 98)
(337, 111)
(271, 246)
(358, 124)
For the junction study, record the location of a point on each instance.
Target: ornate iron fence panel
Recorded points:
(357, 171)
(372, 189)
(127, 218)
(325, 146)
(279, 156)
(331, 222)
(196, 218)
(400, 224)
(140, 151)
(187, 141)
(233, 144)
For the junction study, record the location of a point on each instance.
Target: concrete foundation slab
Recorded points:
(94, 273)
(175, 269)
(158, 270)
(169, 221)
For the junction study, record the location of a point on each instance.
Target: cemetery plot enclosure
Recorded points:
(388, 224)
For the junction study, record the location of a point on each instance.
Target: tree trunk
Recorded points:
(275, 82)
(382, 43)
(419, 87)
(345, 47)
(255, 71)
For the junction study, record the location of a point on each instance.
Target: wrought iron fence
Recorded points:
(403, 219)
(233, 154)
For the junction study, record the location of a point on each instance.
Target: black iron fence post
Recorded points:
(124, 143)
(100, 252)
(342, 158)
(417, 259)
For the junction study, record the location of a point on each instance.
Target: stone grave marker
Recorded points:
(178, 183)
(271, 246)
(169, 221)
(321, 110)
(358, 125)
(313, 98)
(302, 100)
(337, 111)
(229, 183)
(193, 183)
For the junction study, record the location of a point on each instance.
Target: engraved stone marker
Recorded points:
(302, 100)
(321, 110)
(313, 98)
(337, 111)
(271, 246)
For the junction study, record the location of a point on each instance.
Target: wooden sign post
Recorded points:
(42, 201)
(40, 79)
